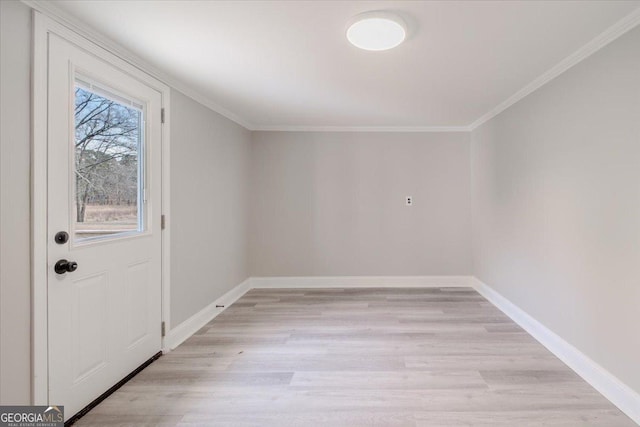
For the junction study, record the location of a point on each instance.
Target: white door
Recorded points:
(104, 192)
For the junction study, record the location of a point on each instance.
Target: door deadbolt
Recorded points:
(64, 266)
(62, 237)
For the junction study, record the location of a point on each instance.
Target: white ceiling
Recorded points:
(279, 64)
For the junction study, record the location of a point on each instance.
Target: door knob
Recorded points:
(64, 266)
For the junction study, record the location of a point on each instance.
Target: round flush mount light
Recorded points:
(376, 30)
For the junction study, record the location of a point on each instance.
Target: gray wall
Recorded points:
(209, 206)
(326, 203)
(556, 206)
(15, 134)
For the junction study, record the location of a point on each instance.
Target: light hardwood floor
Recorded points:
(359, 357)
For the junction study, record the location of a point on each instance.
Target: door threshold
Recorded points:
(109, 392)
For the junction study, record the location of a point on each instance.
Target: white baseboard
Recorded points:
(626, 399)
(184, 330)
(361, 282)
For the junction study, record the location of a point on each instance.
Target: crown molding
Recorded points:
(293, 128)
(52, 11)
(612, 33)
(616, 30)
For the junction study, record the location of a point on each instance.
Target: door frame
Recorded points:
(42, 27)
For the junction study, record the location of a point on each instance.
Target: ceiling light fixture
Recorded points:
(376, 30)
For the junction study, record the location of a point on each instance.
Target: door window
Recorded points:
(108, 163)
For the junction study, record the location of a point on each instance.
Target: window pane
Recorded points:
(108, 169)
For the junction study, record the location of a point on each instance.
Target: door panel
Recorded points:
(89, 323)
(104, 190)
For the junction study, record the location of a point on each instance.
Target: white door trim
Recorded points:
(42, 26)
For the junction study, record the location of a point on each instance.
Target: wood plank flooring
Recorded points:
(358, 357)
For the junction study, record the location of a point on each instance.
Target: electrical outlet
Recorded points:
(409, 200)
